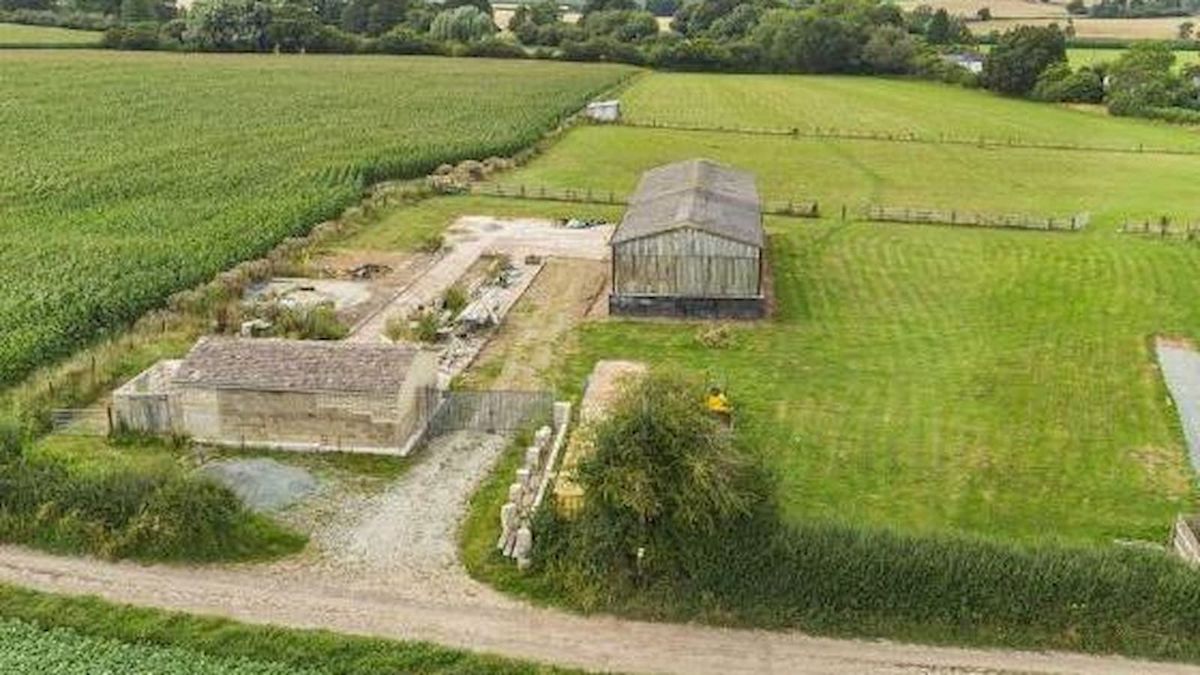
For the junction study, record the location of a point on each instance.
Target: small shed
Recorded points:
(690, 245)
(288, 394)
(604, 111)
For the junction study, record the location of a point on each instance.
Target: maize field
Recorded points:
(127, 177)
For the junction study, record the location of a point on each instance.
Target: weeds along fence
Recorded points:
(910, 137)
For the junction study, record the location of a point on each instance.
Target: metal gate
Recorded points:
(490, 411)
(81, 421)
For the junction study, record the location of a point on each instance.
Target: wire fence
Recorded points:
(911, 137)
(81, 421)
(806, 209)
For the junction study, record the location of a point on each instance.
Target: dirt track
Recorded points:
(599, 643)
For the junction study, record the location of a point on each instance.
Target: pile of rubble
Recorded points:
(526, 493)
(450, 178)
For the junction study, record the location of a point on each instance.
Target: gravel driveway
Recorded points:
(404, 539)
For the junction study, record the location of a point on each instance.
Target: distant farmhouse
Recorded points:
(690, 245)
(968, 60)
(288, 394)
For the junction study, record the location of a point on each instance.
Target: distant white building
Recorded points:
(970, 61)
(604, 111)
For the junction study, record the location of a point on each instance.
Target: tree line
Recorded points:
(798, 36)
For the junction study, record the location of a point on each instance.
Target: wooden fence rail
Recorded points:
(893, 214)
(803, 209)
(901, 136)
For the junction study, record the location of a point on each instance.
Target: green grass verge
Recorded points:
(281, 650)
(14, 35)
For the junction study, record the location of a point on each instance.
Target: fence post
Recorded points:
(843, 213)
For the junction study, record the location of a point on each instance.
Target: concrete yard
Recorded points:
(471, 237)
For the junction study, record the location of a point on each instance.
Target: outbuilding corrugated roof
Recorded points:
(697, 193)
(271, 364)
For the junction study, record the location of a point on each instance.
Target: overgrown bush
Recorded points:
(11, 441)
(136, 37)
(663, 479)
(1059, 83)
(454, 299)
(143, 514)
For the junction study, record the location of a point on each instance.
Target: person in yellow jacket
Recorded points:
(718, 404)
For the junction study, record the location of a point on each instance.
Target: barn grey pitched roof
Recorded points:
(270, 364)
(698, 193)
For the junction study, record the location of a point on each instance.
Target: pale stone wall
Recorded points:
(298, 418)
(410, 402)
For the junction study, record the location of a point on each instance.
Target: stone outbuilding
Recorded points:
(287, 394)
(690, 245)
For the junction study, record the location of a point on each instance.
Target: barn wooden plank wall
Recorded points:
(686, 262)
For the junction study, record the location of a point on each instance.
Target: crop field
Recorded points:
(998, 8)
(929, 378)
(1151, 28)
(13, 34)
(1080, 56)
(131, 176)
(25, 648)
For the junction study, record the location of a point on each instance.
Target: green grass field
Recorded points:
(1109, 186)
(21, 35)
(895, 106)
(926, 378)
(130, 176)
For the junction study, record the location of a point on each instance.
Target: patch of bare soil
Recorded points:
(385, 272)
(535, 332)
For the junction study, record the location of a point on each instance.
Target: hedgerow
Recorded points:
(678, 524)
(145, 513)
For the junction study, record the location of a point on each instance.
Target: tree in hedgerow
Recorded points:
(1020, 56)
(463, 24)
(1144, 78)
(890, 50)
(608, 6)
(665, 480)
(939, 31)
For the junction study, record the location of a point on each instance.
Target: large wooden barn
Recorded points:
(690, 245)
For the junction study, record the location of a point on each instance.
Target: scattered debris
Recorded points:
(369, 271)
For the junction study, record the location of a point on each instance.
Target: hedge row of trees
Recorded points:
(830, 36)
(834, 36)
(1141, 82)
(680, 523)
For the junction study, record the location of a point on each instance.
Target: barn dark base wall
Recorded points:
(687, 308)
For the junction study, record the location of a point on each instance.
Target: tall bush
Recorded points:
(463, 24)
